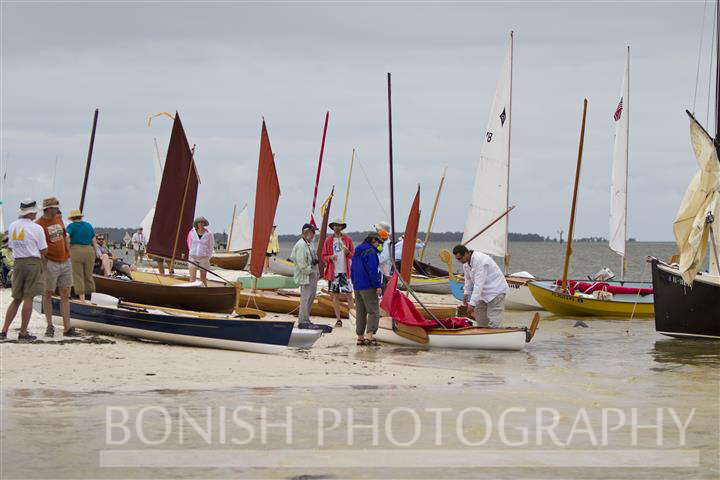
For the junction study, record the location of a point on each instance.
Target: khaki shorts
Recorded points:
(202, 261)
(58, 274)
(491, 313)
(28, 278)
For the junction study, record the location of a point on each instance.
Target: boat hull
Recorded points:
(304, 338)
(548, 295)
(268, 301)
(436, 285)
(230, 260)
(474, 338)
(682, 310)
(280, 266)
(518, 296)
(216, 299)
(248, 335)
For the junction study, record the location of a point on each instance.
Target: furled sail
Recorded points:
(490, 193)
(180, 181)
(241, 232)
(618, 183)
(267, 194)
(410, 238)
(701, 198)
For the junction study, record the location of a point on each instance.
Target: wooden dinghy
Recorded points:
(258, 335)
(287, 302)
(436, 285)
(230, 260)
(626, 302)
(272, 282)
(280, 266)
(469, 338)
(168, 291)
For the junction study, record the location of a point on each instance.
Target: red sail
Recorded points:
(175, 206)
(323, 233)
(410, 238)
(267, 194)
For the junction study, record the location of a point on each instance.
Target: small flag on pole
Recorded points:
(618, 110)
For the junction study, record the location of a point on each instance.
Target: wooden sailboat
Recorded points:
(687, 301)
(624, 300)
(239, 243)
(175, 208)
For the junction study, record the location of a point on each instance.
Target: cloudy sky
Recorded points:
(224, 66)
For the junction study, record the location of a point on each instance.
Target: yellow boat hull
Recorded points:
(578, 306)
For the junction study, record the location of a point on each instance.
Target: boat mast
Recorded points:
(432, 215)
(392, 195)
(182, 207)
(317, 177)
(506, 260)
(347, 189)
(627, 162)
(89, 159)
(232, 224)
(717, 74)
(568, 250)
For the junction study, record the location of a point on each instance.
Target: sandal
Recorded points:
(72, 333)
(373, 342)
(28, 337)
(50, 331)
(362, 342)
(338, 323)
(3, 336)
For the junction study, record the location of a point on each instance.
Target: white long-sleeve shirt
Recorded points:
(483, 279)
(384, 260)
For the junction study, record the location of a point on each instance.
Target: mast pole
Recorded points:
(182, 207)
(627, 162)
(506, 260)
(486, 227)
(432, 215)
(568, 250)
(317, 177)
(717, 72)
(89, 159)
(232, 224)
(347, 189)
(392, 194)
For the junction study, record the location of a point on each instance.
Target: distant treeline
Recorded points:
(115, 235)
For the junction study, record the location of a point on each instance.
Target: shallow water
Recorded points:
(620, 365)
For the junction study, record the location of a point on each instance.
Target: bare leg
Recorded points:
(203, 277)
(10, 314)
(336, 305)
(106, 264)
(47, 307)
(350, 301)
(161, 266)
(193, 272)
(25, 314)
(65, 306)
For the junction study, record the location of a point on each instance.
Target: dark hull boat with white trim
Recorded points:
(683, 310)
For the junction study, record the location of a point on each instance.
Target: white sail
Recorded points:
(618, 183)
(241, 232)
(701, 198)
(490, 194)
(146, 224)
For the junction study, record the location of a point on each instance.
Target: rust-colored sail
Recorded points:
(175, 206)
(267, 194)
(410, 238)
(323, 233)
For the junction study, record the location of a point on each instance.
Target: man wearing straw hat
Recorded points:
(58, 267)
(337, 254)
(28, 244)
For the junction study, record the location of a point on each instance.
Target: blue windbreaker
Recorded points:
(364, 272)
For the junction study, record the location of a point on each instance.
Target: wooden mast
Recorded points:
(568, 250)
(182, 207)
(89, 159)
(432, 215)
(627, 161)
(392, 194)
(232, 224)
(347, 189)
(506, 259)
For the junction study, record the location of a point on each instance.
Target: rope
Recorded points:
(367, 179)
(632, 314)
(697, 74)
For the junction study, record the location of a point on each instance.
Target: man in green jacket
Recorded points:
(306, 274)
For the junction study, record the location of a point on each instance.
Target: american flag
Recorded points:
(618, 110)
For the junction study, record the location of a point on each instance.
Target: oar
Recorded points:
(530, 333)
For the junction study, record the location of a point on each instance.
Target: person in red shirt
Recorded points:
(337, 255)
(58, 267)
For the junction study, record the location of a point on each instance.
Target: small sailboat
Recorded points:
(239, 243)
(105, 314)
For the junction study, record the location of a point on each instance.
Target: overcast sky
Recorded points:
(224, 66)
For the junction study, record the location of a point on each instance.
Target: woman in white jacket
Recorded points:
(201, 244)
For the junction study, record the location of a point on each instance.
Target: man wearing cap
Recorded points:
(366, 280)
(306, 275)
(58, 267)
(337, 254)
(138, 243)
(28, 244)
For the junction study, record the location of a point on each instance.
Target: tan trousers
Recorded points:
(83, 261)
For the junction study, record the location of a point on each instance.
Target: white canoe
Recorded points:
(519, 297)
(438, 285)
(473, 338)
(280, 266)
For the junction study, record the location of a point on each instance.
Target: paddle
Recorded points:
(530, 333)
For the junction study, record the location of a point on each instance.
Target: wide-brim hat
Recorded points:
(382, 226)
(201, 220)
(50, 202)
(75, 214)
(27, 207)
(339, 222)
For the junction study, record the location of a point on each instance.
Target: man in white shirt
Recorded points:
(138, 243)
(28, 244)
(485, 286)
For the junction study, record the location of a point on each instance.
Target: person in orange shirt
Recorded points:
(58, 267)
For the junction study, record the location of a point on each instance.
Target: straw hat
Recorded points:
(27, 207)
(201, 220)
(50, 202)
(339, 222)
(75, 214)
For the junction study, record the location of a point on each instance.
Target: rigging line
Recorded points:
(697, 74)
(367, 179)
(710, 72)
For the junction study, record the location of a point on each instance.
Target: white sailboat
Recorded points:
(491, 192)
(158, 165)
(619, 176)
(239, 243)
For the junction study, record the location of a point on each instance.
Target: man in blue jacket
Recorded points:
(365, 275)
